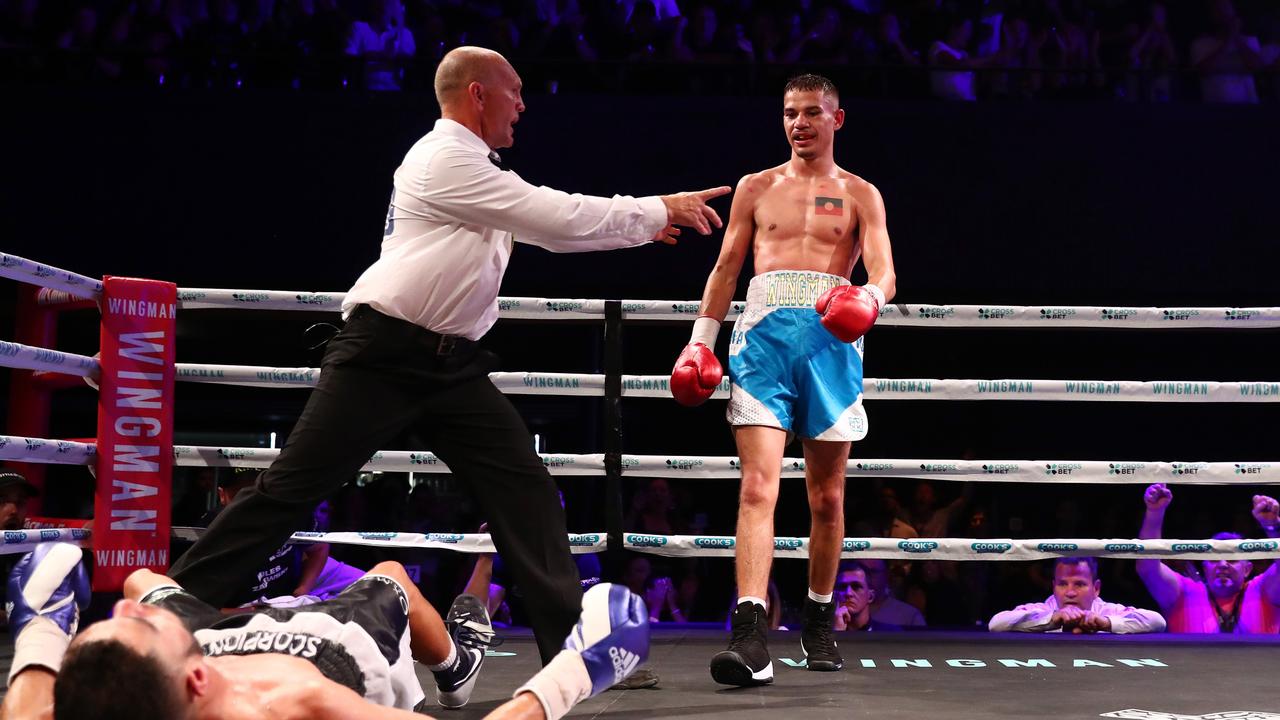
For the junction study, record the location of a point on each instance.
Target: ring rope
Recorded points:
(1000, 549)
(968, 548)
(657, 386)
(1110, 472)
(27, 357)
(900, 314)
(34, 273)
(579, 543)
(17, 355)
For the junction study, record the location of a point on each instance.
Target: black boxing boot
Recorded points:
(818, 641)
(747, 660)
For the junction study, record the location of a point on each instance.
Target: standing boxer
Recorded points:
(795, 359)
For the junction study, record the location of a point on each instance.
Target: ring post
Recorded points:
(613, 422)
(135, 430)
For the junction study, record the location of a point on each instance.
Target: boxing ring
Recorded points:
(958, 675)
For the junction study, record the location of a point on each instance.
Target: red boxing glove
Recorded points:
(848, 311)
(696, 375)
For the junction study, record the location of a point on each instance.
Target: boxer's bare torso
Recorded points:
(275, 686)
(805, 222)
(267, 687)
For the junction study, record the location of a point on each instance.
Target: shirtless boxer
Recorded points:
(795, 359)
(347, 657)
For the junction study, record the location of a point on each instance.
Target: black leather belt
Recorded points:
(444, 345)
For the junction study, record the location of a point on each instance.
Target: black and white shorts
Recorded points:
(359, 639)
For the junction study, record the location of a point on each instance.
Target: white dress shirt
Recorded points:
(1034, 617)
(451, 224)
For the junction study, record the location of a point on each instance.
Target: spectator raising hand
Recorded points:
(1267, 512)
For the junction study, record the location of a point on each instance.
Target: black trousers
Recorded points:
(381, 376)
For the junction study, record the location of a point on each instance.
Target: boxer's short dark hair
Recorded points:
(809, 82)
(108, 680)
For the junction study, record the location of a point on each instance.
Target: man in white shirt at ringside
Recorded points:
(1076, 607)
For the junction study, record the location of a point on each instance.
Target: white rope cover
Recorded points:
(724, 468)
(1111, 472)
(657, 386)
(41, 450)
(23, 541)
(213, 298)
(17, 541)
(579, 543)
(1090, 316)
(27, 357)
(382, 461)
(17, 355)
(968, 548)
(246, 375)
(783, 547)
(34, 273)
(899, 314)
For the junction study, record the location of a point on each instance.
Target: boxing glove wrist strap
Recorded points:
(563, 683)
(705, 330)
(876, 293)
(40, 644)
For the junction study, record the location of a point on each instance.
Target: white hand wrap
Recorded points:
(705, 330)
(561, 685)
(876, 293)
(42, 644)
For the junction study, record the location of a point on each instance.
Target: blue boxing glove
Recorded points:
(612, 636)
(47, 590)
(609, 642)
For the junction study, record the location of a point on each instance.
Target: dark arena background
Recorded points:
(1056, 199)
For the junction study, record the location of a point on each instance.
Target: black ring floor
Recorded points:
(927, 674)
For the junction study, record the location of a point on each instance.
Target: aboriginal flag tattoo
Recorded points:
(828, 206)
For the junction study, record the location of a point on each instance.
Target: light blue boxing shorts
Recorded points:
(789, 372)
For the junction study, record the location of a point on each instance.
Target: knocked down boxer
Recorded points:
(166, 655)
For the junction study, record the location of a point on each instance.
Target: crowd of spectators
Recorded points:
(895, 594)
(1215, 50)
